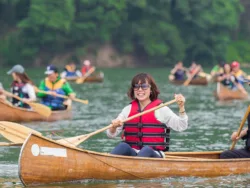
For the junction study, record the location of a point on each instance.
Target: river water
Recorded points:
(210, 126)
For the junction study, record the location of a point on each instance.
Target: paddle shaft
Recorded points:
(82, 138)
(241, 126)
(186, 83)
(63, 96)
(14, 96)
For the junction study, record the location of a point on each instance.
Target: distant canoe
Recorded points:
(223, 93)
(195, 81)
(95, 77)
(17, 114)
(44, 161)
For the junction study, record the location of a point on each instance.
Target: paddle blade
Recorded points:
(80, 80)
(15, 132)
(81, 101)
(40, 109)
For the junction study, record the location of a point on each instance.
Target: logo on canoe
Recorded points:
(47, 151)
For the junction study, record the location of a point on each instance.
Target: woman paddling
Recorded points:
(21, 86)
(229, 80)
(147, 135)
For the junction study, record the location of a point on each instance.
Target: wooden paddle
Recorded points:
(39, 108)
(241, 126)
(15, 132)
(186, 83)
(74, 141)
(63, 96)
(82, 79)
(10, 144)
(18, 133)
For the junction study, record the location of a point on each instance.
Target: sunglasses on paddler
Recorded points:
(143, 86)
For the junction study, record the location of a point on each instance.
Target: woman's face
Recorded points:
(14, 76)
(142, 91)
(227, 68)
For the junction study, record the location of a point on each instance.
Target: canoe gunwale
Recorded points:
(137, 158)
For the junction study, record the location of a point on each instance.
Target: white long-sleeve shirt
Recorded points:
(164, 115)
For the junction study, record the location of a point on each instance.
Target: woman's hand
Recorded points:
(180, 99)
(234, 136)
(117, 123)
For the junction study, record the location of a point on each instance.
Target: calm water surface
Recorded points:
(210, 126)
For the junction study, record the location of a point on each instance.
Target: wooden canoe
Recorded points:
(223, 93)
(44, 161)
(16, 114)
(195, 81)
(95, 77)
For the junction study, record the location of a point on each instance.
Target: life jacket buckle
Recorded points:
(140, 134)
(140, 125)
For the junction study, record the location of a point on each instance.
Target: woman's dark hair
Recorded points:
(142, 78)
(24, 78)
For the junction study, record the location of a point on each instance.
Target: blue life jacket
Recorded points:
(70, 74)
(179, 74)
(49, 100)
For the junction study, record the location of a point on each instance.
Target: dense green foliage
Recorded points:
(160, 31)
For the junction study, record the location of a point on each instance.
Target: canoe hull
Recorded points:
(224, 94)
(16, 114)
(196, 81)
(44, 161)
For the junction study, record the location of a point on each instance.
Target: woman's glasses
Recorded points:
(143, 86)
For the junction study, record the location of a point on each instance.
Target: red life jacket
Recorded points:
(146, 130)
(85, 69)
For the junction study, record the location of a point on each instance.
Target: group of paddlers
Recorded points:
(230, 75)
(49, 89)
(179, 72)
(70, 70)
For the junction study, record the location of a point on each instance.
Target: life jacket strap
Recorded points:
(141, 134)
(141, 144)
(140, 125)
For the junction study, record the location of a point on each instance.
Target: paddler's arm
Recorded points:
(68, 90)
(117, 124)
(42, 88)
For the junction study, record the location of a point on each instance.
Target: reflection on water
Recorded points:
(210, 126)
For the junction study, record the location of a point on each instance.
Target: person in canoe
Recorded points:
(194, 69)
(238, 73)
(86, 67)
(178, 72)
(70, 71)
(53, 84)
(22, 86)
(239, 153)
(217, 70)
(147, 135)
(229, 80)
